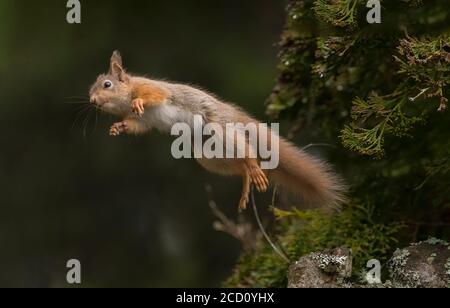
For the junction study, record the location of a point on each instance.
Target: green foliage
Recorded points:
(424, 65)
(303, 232)
(353, 227)
(383, 115)
(339, 13)
(372, 91)
(260, 270)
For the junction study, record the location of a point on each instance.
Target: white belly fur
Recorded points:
(165, 116)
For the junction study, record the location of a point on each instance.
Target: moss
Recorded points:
(259, 270)
(304, 232)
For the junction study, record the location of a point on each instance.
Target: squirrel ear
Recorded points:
(117, 71)
(116, 57)
(116, 67)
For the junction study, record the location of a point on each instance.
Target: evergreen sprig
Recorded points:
(424, 68)
(340, 13)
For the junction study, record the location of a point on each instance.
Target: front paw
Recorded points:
(118, 129)
(137, 106)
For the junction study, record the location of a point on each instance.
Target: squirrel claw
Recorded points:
(243, 203)
(118, 129)
(137, 106)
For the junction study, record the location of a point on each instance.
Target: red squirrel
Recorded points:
(144, 104)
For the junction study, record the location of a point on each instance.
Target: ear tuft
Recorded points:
(116, 57)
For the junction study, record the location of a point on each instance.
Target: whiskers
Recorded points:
(84, 112)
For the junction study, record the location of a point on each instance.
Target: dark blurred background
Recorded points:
(124, 207)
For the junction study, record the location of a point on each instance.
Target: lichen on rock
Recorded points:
(327, 269)
(422, 265)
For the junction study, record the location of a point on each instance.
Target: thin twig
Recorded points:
(263, 231)
(241, 230)
(312, 145)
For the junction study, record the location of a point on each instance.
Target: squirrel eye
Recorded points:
(107, 84)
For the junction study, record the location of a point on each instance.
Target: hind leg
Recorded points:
(257, 175)
(248, 169)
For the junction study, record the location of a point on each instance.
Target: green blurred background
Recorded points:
(124, 207)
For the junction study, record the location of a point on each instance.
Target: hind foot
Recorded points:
(259, 178)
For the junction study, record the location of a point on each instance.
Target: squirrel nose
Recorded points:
(93, 100)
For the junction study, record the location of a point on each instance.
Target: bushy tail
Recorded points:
(307, 177)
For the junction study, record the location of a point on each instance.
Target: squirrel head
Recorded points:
(111, 92)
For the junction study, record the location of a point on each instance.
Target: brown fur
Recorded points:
(150, 94)
(307, 177)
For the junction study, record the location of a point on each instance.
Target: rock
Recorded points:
(421, 265)
(326, 269)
